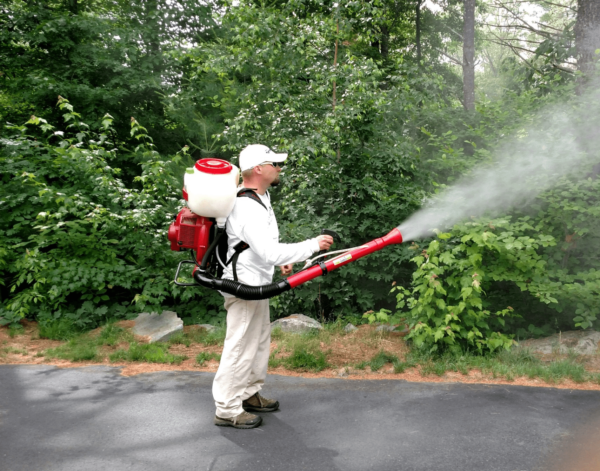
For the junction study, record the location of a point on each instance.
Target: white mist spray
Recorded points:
(529, 163)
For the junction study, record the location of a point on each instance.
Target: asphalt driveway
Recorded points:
(94, 419)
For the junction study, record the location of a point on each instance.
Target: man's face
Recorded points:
(271, 174)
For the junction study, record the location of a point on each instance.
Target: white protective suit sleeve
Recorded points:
(270, 251)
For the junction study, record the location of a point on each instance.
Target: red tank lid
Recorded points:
(213, 166)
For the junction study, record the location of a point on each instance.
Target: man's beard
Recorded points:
(276, 181)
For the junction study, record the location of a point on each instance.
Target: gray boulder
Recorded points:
(350, 328)
(583, 342)
(296, 323)
(157, 327)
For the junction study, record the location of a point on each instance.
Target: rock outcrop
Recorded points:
(583, 342)
(157, 327)
(296, 323)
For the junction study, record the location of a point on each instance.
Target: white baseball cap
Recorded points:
(256, 154)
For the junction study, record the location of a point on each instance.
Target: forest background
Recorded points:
(381, 105)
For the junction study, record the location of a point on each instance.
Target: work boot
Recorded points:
(243, 420)
(257, 403)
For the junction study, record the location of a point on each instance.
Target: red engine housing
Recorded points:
(190, 231)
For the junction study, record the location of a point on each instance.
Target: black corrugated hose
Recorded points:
(240, 290)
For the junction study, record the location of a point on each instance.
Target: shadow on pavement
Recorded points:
(274, 434)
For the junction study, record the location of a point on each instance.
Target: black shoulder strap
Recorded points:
(250, 193)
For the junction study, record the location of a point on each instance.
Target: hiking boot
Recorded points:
(257, 403)
(243, 420)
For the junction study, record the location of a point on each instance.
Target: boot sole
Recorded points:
(227, 423)
(260, 409)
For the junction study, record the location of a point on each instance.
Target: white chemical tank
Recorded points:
(210, 188)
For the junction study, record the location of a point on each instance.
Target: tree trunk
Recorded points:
(418, 30)
(385, 41)
(587, 37)
(469, 55)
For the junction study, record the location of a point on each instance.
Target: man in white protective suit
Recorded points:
(243, 367)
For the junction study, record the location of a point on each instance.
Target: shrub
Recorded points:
(445, 307)
(80, 245)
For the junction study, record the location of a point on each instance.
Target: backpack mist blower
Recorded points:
(210, 189)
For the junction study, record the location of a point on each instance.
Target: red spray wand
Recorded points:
(322, 268)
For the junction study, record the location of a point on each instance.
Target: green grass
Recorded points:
(180, 339)
(304, 359)
(113, 335)
(17, 351)
(151, 353)
(200, 336)
(304, 349)
(84, 347)
(73, 350)
(305, 352)
(214, 337)
(275, 362)
(14, 330)
(507, 365)
(58, 330)
(203, 357)
(380, 359)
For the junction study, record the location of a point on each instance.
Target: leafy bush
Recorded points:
(446, 307)
(80, 245)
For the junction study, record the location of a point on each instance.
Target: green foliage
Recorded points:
(508, 365)
(303, 358)
(82, 347)
(85, 204)
(112, 335)
(353, 167)
(203, 357)
(14, 330)
(74, 350)
(108, 57)
(151, 353)
(213, 337)
(383, 316)
(80, 244)
(60, 329)
(381, 359)
(445, 307)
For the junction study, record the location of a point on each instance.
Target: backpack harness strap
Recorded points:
(241, 246)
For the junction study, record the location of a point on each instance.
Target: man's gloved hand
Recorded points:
(325, 241)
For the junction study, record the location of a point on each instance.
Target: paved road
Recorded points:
(94, 419)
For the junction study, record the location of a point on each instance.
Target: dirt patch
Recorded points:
(362, 345)
(23, 347)
(343, 350)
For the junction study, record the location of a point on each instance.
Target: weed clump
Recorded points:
(73, 350)
(208, 338)
(14, 330)
(151, 353)
(58, 330)
(304, 359)
(203, 357)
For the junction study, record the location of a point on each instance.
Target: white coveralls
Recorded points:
(243, 367)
